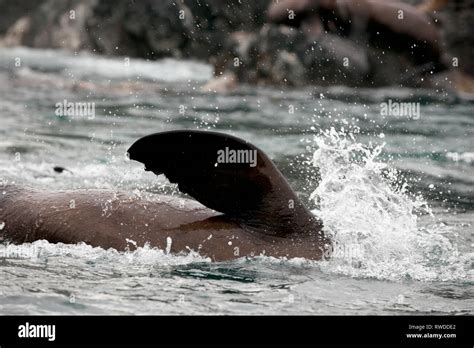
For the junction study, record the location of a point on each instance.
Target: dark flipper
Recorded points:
(254, 192)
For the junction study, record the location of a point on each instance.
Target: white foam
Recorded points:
(365, 206)
(86, 65)
(41, 250)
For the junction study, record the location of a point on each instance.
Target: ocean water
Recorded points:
(395, 192)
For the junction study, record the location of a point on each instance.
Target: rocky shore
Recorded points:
(285, 42)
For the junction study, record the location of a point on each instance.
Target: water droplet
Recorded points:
(169, 241)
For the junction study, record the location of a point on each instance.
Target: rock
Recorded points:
(458, 35)
(11, 11)
(53, 24)
(233, 36)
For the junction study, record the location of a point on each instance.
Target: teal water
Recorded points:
(396, 190)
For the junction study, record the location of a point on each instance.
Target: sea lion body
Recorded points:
(249, 210)
(123, 221)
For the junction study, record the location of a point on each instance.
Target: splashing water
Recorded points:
(381, 231)
(373, 220)
(41, 250)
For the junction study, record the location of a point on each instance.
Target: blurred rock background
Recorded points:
(237, 39)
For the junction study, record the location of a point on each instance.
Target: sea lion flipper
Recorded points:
(226, 174)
